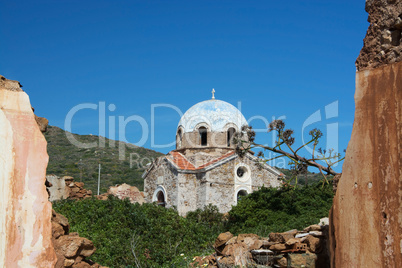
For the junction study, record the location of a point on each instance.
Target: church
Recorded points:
(204, 168)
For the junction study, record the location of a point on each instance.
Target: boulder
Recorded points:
(314, 227)
(314, 244)
(278, 247)
(292, 241)
(282, 262)
(222, 239)
(302, 260)
(281, 237)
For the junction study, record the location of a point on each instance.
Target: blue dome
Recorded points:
(216, 113)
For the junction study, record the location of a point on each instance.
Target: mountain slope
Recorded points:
(65, 159)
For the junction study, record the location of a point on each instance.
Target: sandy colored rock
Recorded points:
(314, 227)
(292, 241)
(303, 260)
(281, 237)
(232, 240)
(228, 261)
(241, 237)
(222, 239)
(25, 211)
(124, 191)
(42, 123)
(68, 262)
(251, 243)
(282, 262)
(278, 247)
(314, 244)
(365, 219)
(82, 265)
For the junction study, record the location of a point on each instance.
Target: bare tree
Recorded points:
(245, 141)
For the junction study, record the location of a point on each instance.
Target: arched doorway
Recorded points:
(161, 199)
(160, 196)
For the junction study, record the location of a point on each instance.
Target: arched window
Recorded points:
(161, 199)
(230, 133)
(203, 136)
(241, 194)
(179, 139)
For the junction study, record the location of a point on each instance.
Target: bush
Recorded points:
(164, 239)
(282, 209)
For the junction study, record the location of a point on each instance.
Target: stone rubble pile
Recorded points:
(65, 187)
(124, 191)
(71, 249)
(307, 248)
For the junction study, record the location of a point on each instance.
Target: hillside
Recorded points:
(309, 178)
(65, 159)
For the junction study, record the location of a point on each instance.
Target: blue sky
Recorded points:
(278, 58)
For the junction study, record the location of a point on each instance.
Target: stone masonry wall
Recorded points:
(162, 169)
(383, 41)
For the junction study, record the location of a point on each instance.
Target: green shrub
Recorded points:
(277, 210)
(163, 238)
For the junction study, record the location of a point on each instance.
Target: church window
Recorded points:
(203, 136)
(240, 172)
(179, 138)
(230, 133)
(241, 194)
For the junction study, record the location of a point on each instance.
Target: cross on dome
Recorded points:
(213, 93)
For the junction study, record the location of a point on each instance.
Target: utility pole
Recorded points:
(99, 178)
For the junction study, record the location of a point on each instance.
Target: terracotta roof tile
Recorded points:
(180, 161)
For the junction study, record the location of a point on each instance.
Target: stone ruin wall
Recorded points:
(383, 41)
(161, 169)
(366, 216)
(25, 212)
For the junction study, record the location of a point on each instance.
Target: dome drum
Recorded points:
(209, 123)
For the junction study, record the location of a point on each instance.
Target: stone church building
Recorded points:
(205, 169)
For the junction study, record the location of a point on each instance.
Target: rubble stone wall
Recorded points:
(383, 41)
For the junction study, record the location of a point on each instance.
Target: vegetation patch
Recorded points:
(66, 159)
(159, 237)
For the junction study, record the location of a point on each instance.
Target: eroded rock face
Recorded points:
(383, 41)
(366, 217)
(25, 212)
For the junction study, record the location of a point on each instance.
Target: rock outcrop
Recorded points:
(307, 248)
(71, 249)
(25, 212)
(366, 216)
